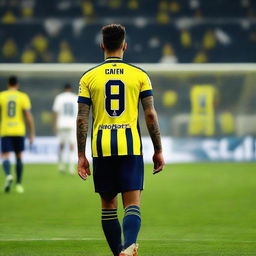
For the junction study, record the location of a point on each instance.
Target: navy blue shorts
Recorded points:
(116, 174)
(12, 143)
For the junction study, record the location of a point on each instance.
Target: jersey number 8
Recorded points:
(11, 108)
(114, 97)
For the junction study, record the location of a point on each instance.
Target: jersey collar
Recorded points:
(113, 58)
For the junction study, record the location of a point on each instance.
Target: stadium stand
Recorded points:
(172, 31)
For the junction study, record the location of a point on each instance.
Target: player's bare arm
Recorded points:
(30, 121)
(82, 124)
(154, 131)
(54, 122)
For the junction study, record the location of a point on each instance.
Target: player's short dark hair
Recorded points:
(13, 80)
(67, 87)
(113, 36)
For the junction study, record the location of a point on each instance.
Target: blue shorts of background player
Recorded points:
(116, 174)
(12, 143)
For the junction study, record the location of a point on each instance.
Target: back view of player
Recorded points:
(15, 105)
(114, 89)
(65, 111)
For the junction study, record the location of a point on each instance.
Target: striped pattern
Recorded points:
(146, 94)
(132, 210)
(109, 214)
(138, 128)
(84, 100)
(114, 145)
(128, 133)
(99, 145)
(119, 135)
(118, 142)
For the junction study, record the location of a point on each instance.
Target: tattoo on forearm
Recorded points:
(154, 131)
(82, 124)
(152, 122)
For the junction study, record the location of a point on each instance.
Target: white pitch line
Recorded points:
(101, 239)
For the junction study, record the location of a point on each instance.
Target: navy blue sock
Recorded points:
(7, 167)
(131, 225)
(19, 170)
(112, 230)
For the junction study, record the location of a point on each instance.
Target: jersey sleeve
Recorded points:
(84, 95)
(26, 102)
(146, 87)
(55, 106)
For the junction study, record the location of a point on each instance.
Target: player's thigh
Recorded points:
(104, 175)
(72, 139)
(62, 135)
(131, 173)
(18, 145)
(6, 146)
(68, 137)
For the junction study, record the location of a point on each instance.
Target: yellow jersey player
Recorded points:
(15, 106)
(203, 100)
(114, 89)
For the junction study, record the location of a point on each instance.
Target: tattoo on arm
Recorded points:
(82, 123)
(152, 122)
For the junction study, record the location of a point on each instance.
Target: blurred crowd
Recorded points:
(167, 31)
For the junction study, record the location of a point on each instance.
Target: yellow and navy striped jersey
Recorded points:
(13, 103)
(114, 89)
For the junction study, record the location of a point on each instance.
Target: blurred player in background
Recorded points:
(64, 119)
(15, 107)
(114, 89)
(203, 100)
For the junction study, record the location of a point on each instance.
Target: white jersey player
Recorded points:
(64, 122)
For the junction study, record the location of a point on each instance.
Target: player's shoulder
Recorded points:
(3, 96)
(58, 96)
(61, 94)
(22, 94)
(136, 68)
(92, 70)
(69, 95)
(73, 95)
(3, 93)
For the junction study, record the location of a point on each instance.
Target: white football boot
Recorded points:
(8, 183)
(130, 251)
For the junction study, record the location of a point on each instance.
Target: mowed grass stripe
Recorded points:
(142, 239)
(98, 248)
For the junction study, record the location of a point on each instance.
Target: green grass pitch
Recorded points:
(187, 210)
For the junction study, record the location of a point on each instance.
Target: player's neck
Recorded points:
(117, 54)
(13, 88)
